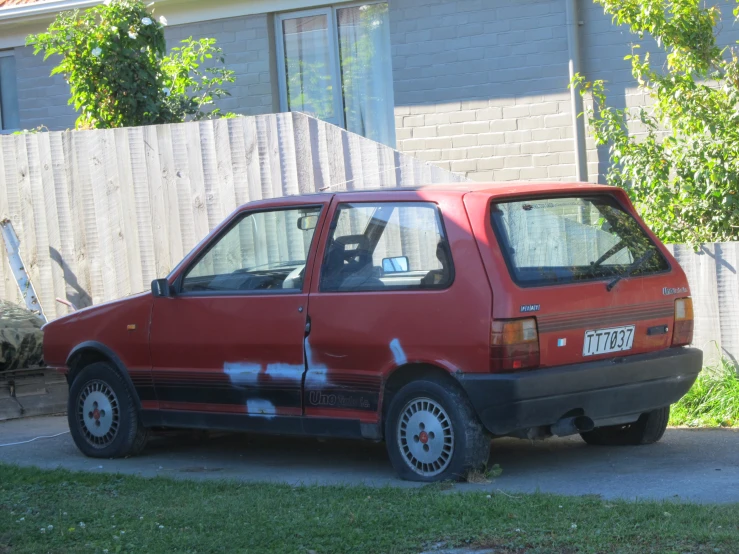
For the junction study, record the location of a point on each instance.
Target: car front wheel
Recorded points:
(102, 414)
(433, 434)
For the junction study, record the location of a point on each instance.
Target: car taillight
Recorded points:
(682, 333)
(514, 345)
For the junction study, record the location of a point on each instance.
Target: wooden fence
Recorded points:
(714, 285)
(102, 213)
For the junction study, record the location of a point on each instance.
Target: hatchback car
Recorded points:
(432, 318)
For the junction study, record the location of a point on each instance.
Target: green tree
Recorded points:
(114, 58)
(683, 171)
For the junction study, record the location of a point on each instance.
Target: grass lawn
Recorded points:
(60, 511)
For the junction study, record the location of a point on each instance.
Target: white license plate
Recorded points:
(603, 341)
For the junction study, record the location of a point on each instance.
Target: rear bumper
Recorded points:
(608, 391)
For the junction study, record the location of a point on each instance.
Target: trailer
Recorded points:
(27, 387)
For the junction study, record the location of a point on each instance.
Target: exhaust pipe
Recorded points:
(572, 425)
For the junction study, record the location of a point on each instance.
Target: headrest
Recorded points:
(442, 254)
(361, 242)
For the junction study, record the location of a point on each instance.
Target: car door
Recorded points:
(386, 295)
(229, 339)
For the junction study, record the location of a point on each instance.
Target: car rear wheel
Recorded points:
(102, 414)
(433, 434)
(648, 429)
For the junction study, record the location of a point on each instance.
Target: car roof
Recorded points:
(506, 188)
(492, 188)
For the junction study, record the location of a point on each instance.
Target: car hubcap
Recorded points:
(98, 413)
(425, 437)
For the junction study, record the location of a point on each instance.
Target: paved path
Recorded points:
(701, 466)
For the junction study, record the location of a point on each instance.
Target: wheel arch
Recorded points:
(91, 352)
(407, 373)
(473, 450)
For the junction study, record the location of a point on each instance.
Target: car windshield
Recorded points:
(566, 239)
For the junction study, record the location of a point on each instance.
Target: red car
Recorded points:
(432, 318)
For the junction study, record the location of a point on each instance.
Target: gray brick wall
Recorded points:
(604, 46)
(248, 44)
(42, 100)
(481, 86)
(246, 41)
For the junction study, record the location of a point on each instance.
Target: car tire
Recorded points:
(103, 415)
(648, 429)
(433, 434)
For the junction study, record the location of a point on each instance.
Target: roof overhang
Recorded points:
(36, 9)
(18, 22)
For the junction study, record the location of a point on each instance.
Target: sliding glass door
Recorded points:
(335, 65)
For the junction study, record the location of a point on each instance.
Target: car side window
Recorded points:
(386, 246)
(262, 251)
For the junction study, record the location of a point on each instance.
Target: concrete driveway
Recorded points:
(696, 465)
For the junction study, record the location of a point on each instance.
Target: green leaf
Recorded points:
(681, 166)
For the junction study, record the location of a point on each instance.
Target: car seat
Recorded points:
(439, 277)
(348, 268)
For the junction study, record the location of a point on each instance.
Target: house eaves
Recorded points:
(183, 11)
(18, 20)
(31, 10)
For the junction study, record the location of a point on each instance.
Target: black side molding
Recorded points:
(272, 425)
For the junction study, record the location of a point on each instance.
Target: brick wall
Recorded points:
(481, 86)
(246, 41)
(604, 46)
(42, 100)
(248, 45)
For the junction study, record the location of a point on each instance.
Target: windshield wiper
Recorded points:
(620, 245)
(631, 269)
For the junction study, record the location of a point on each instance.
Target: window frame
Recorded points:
(179, 282)
(333, 35)
(334, 54)
(331, 228)
(501, 239)
(3, 130)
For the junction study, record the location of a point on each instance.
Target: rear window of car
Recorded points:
(577, 238)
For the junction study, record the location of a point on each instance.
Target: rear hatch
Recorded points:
(581, 266)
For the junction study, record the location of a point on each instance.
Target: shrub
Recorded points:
(113, 57)
(713, 401)
(683, 172)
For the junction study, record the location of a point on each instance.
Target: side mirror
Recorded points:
(399, 264)
(307, 222)
(160, 288)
